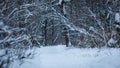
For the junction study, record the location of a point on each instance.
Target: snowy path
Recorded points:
(62, 57)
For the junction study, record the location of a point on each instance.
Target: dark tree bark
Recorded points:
(66, 37)
(45, 29)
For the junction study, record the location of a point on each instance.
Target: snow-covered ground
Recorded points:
(69, 57)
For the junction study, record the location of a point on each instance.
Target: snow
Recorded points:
(27, 5)
(93, 29)
(117, 26)
(64, 9)
(67, 0)
(112, 42)
(117, 17)
(1, 24)
(2, 52)
(60, 1)
(69, 57)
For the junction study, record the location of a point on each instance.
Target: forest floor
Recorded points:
(70, 57)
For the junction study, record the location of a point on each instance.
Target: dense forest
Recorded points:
(75, 23)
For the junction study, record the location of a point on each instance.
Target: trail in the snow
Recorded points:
(62, 57)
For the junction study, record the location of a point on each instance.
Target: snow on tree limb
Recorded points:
(70, 25)
(117, 17)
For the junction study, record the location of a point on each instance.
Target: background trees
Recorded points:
(79, 23)
(89, 23)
